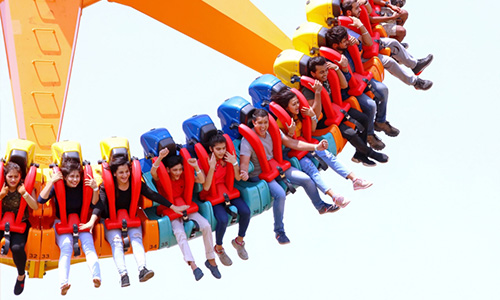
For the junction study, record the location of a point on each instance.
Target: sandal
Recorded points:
(97, 282)
(65, 288)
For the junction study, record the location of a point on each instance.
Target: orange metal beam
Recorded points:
(40, 37)
(235, 28)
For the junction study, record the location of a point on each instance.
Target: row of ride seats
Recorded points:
(309, 40)
(234, 114)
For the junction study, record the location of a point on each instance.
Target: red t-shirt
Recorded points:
(220, 173)
(178, 187)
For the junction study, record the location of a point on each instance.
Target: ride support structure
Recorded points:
(41, 35)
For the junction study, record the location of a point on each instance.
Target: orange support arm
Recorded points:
(39, 38)
(235, 28)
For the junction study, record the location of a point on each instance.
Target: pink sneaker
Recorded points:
(361, 184)
(340, 201)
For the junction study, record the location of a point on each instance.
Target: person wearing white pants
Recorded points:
(65, 243)
(175, 169)
(120, 168)
(114, 238)
(180, 235)
(71, 173)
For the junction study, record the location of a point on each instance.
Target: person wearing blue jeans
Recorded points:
(219, 161)
(260, 121)
(300, 178)
(376, 109)
(318, 68)
(290, 103)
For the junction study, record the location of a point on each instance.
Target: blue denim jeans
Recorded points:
(332, 162)
(376, 109)
(296, 177)
(222, 218)
(311, 170)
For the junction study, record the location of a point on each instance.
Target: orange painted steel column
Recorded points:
(40, 38)
(235, 28)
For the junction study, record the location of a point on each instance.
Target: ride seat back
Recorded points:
(114, 146)
(155, 140)
(323, 12)
(22, 153)
(232, 112)
(262, 88)
(198, 129)
(20, 157)
(110, 148)
(165, 188)
(217, 190)
(308, 37)
(289, 66)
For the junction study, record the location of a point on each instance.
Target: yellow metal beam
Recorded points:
(39, 38)
(235, 28)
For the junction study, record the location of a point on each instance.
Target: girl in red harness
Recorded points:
(175, 169)
(219, 161)
(11, 194)
(71, 173)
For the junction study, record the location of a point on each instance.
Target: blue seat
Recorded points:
(262, 88)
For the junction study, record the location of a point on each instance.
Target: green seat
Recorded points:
(256, 195)
(332, 146)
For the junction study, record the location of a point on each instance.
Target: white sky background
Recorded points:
(427, 229)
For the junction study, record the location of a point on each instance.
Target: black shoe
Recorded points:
(145, 275)
(380, 157)
(398, 3)
(329, 209)
(125, 280)
(422, 63)
(19, 287)
(423, 84)
(361, 158)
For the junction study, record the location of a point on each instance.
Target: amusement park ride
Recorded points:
(40, 38)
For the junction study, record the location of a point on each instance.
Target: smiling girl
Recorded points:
(11, 194)
(71, 173)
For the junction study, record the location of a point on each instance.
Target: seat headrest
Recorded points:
(70, 156)
(20, 157)
(246, 115)
(116, 152)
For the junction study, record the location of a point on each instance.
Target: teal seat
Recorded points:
(256, 195)
(167, 237)
(332, 146)
(206, 210)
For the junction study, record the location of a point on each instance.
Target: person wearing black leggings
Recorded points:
(11, 194)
